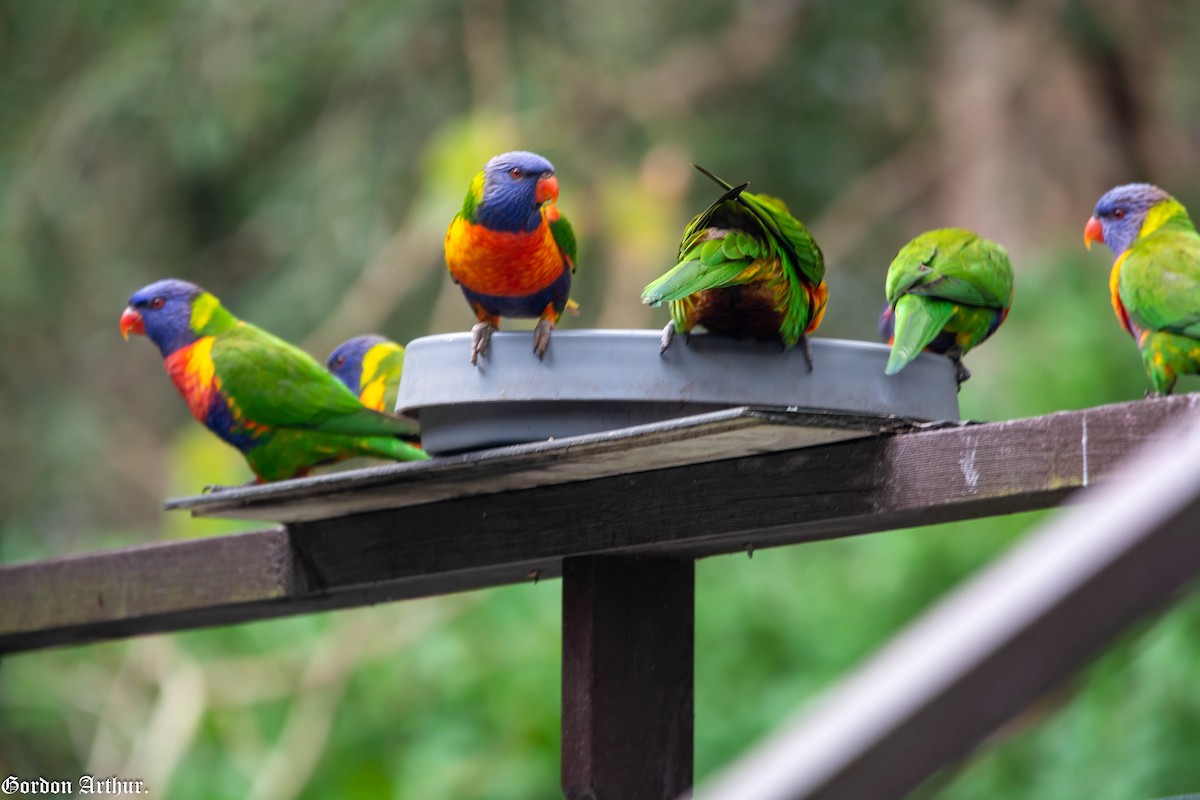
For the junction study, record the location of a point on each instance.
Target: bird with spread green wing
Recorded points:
(746, 268)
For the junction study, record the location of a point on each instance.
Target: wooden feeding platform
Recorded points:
(621, 514)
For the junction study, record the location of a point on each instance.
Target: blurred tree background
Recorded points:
(302, 159)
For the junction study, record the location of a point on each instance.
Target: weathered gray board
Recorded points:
(692, 440)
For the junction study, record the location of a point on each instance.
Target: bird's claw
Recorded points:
(481, 336)
(668, 336)
(961, 373)
(541, 337)
(808, 359)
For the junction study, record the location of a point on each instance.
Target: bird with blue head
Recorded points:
(267, 398)
(510, 250)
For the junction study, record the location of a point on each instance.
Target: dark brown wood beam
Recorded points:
(507, 536)
(628, 649)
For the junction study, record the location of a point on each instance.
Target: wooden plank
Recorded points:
(470, 542)
(628, 648)
(995, 645)
(157, 586)
(714, 436)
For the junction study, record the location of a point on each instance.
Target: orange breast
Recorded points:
(500, 263)
(192, 371)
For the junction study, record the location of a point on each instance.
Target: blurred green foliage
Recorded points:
(302, 159)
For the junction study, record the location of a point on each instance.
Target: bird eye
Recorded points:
(517, 172)
(1118, 213)
(157, 302)
(337, 362)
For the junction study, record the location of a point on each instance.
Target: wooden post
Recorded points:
(628, 644)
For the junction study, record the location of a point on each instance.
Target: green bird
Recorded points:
(947, 291)
(269, 399)
(1155, 281)
(746, 268)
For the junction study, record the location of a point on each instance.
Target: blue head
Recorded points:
(514, 187)
(346, 360)
(164, 313)
(1120, 213)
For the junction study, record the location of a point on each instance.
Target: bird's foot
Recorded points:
(481, 336)
(668, 336)
(961, 373)
(541, 337)
(808, 359)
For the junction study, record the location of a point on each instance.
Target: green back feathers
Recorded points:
(783, 231)
(933, 278)
(274, 383)
(952, 264)
(743, 237)
(1159, 282)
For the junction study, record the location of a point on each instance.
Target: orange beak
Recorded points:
(547, 189)
(132, 322)
(1092, 232)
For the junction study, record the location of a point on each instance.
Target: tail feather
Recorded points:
(368, 422)
(391, 448)
(719, 181)
(918, 320)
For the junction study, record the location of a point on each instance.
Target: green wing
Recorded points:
(952, 264)
(1160, 282)
(564, 237)
(710, 258)
(275, 383)
(801, 255)
(739, 228)
(918, 322)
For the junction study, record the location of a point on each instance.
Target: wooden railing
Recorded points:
(622, 516)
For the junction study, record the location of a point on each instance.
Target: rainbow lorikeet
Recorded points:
(947, 291)
(510, 250)
(370, 366)
(267, 398)
(1155, 281)
(746, 267)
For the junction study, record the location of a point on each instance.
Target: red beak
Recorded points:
(1092, 232)
(131, 322)
(547, 189)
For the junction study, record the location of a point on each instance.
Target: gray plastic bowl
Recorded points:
(596, 380)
